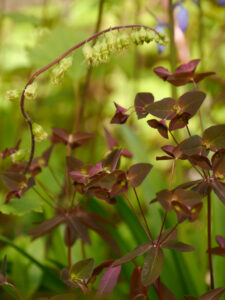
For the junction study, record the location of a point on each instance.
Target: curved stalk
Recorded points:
(51, 64)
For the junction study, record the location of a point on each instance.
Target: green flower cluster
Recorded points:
(57, 74)
(39, 133)
(118, 41)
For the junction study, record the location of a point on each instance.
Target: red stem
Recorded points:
(209, 239)
(143, 215)
(132, 207)
(69, 247)
(160, 289)
(51, 64)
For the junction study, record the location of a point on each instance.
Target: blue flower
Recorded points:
(221, 2)
(182, 18)
(160, 29)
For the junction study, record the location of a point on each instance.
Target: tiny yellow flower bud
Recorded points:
(111, 39)
(149, 36)
(104, 51)
(57, 75)
(142, 34)
(66, 63)
(97, 54)
(31, 91)
(135, 37)
(13, 95)
(19, 155)
(39, 133)
(88, 52)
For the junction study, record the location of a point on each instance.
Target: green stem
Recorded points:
(173, 56)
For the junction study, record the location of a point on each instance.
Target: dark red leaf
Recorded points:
(79, 229)
(141, 103)
(160, 126)
(219, 189)
(137, 290)
(112, 160)
(162, 72)
(188, 67)
(218, 251)
(201, 161)
(120, 116)
(102, 266)
(152, 267)
(166, 292)
(137, 173)
(110, 140)
(179, 121)
(200, 76)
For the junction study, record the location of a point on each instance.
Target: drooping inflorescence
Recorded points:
(119, 41)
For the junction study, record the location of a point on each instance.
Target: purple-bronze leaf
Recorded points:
(141, 103)
(138, 251)
(188, 67)
(213, 294)
(178, 246)
(137, 173)
(100, 267)
(111, 141)
(152, 267)
(190, 102)
(201, 161)
(163, 109)
(160, 126)
(137, 290)
(162, 72)
(219, 189)
(179, 121)
(108, 281)
(192, 145)
(214, 137)
(79, 229)
(46, 226)
(120, 116)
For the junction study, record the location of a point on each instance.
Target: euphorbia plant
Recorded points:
(106, 180)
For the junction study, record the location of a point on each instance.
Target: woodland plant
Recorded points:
(107, 181)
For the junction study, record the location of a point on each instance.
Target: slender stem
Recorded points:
(199, 111)
(83, 250)
(172, 45)
(69, 246)
(188, 130)
(15, 290)
(165, 212)
(175, 140)
(132, 207)
(54, 176)
(51, 64)
(160, 289)
(143, 215)
(45, 200)
(209, 239)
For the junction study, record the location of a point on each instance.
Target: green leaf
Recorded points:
(82, 269)
(153, 265)
(21, 206)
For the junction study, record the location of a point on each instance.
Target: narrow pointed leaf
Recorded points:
(178, 246)
(213, 294)
(108, 281)
(141, 102)
(141, 249)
